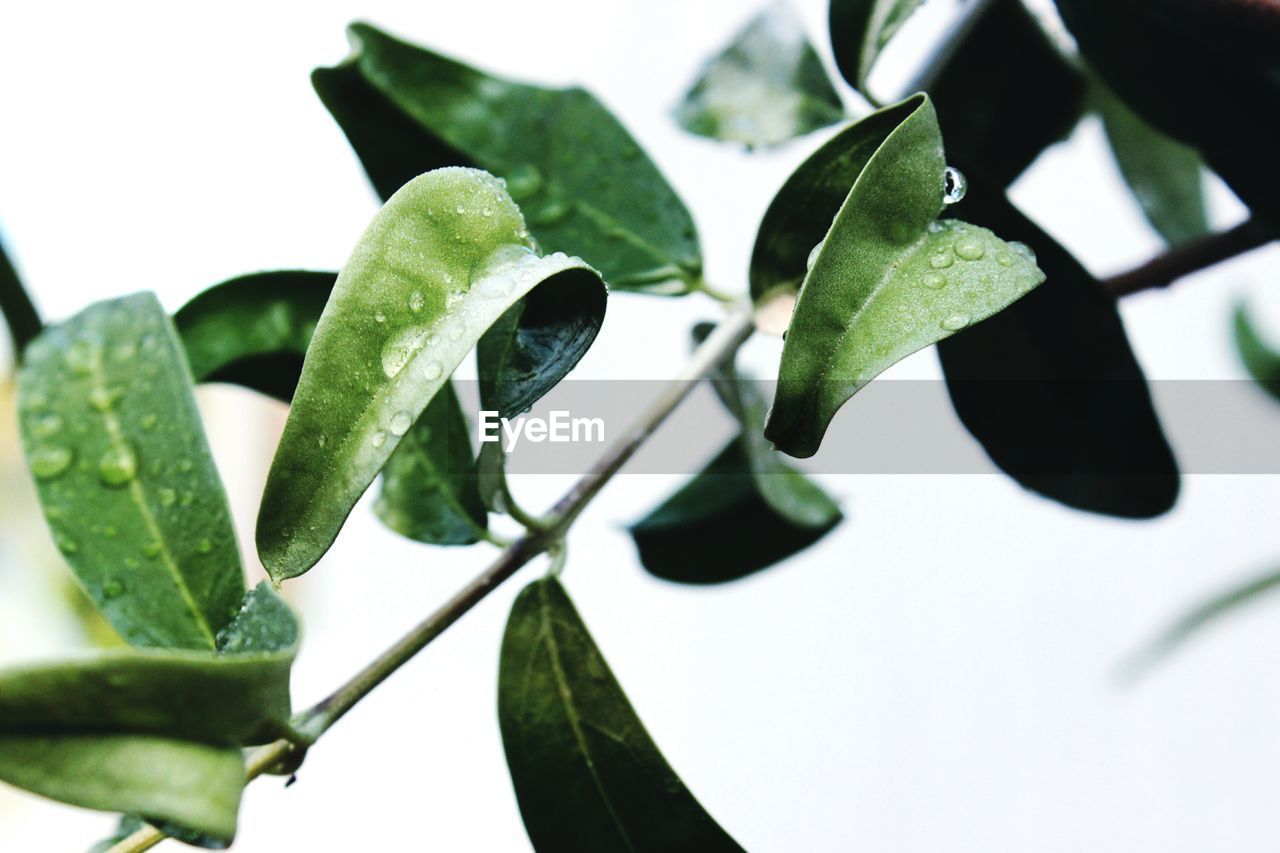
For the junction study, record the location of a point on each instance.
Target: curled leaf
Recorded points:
(1260, 358)
(880, 278)
(587, 775)
(125, 477)
(860, 29)
(443, 260)
(585, 185)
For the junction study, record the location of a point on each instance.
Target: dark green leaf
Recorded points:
(446, 257)
(19, 313)
(1207, 74)
(586, 774)
(1051, 388)
(884, 277)
(191, 784)
(254, 330)
(124, 474)
(586, 185)
(766, 87)
(860, 29)
(1260, 359)
(429, 488)
(1192, 623)
(129, 824)
(1164, 174)
(237, 695)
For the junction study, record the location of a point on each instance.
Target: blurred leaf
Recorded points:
(238, 695)
(884, 278)
(744, 512)
(1192, 623)
(1050, 387)
(586, 185)
(124, 474)
(191, 784)
(19, 313)
(128, 825)
(254, 330)
(1207, 74)
(442, 261)
(1260, 359)
(766, 87)
(586, 774)
(1164, 175)
(860, 29)
(1006, 93)
(429, 488)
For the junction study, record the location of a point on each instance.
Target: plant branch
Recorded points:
(1189, 257)
(314, 722)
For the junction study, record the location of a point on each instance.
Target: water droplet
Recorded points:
(118, 466)
(551, 212)
(400, 423)
(151, 549)
(83, 358)
(322, 440)
(970, 248)
(49, 462)
(186, 498)
(185, 465)
(401, 349)
(934, 281)
(936, 227)
(1004, 259)
(942, 259)
(1023, 249)
(46, 425)
(380, 317)
(148, 421)
(379, 438)
(168, 497)
(204, 546)
(432, 370)
(523, 180)
(813, 257)
(955, 322)
(105, 399)
(66, 544)
(459, 209)
(954, 185)
(110, 531)
(416, 301)
(486, 212)
(112, 589)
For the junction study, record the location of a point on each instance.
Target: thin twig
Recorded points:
(1189, 257)
(314, 722)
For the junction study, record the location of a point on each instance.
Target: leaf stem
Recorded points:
(1192, 256)
(312, 723)
(20, 314)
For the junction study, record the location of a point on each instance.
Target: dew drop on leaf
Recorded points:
(105, 399)
(942, 259)
(49, 462)
(813, 257)
(934, 281)
(416, 301)
(204, 546)
(113, 589)
(47, 425)
(550, 213)
(955, 322)
(1023, 249)
(66, 544)
(118, 466)
(523, 180)
(432, 370)
(954, 185)
(400, 423)
(969, 248)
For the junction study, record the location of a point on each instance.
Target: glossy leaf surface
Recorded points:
(237, 695)
(585, 185)
(254, 330)
(443, 260)
(1259, 357)
(124, 474)
(192, 784)
(766, 87)
(1051, 387)
(884, 278)
(586, 774)
(1165, 175)
(1207, 74)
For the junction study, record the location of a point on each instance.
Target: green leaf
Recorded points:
(1051, 388)
(884, 278)
(744, 512)
(123, 472)
(1207, 74)
(20, 314)
(192, 784)
(766, 87)
(443, 260)
(860, 29)
(586, 774)
(587, 187)
(1164, 174)
(1260, 358)
(237, 695)
(254, 330)
(1197, 620)
(429, 488)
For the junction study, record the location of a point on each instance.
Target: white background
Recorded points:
(937, 675)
